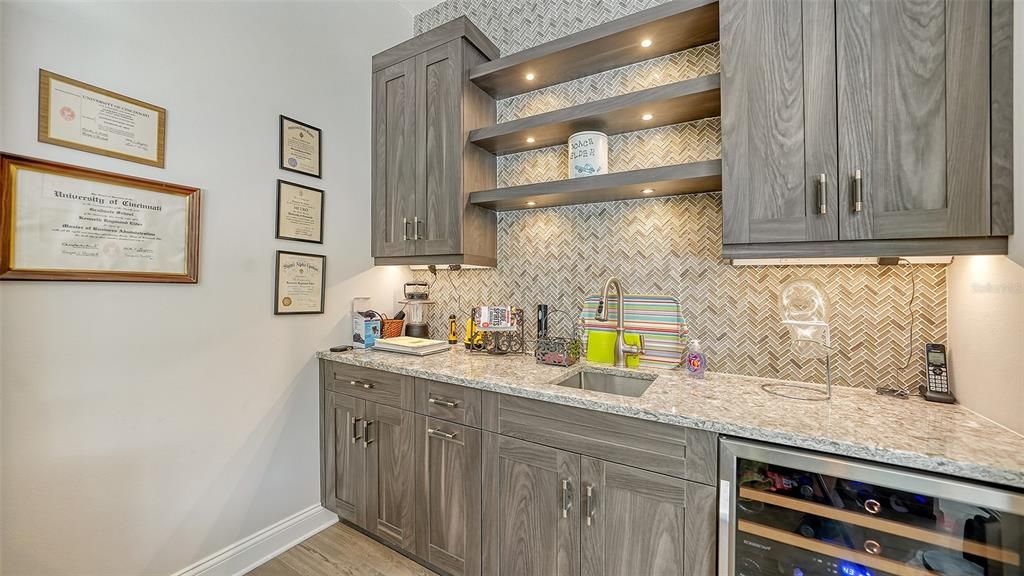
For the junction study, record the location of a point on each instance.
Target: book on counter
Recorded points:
(411, 345)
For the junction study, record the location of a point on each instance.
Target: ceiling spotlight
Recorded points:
(530, 139)
(647, 117)
(531, 203)
(646, 43)
(647, 191)
(530, 76)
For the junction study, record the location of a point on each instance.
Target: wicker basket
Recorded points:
(391, 328)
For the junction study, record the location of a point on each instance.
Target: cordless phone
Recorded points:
(937, 389)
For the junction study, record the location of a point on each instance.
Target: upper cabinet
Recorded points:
(424, 166)
(861, 128)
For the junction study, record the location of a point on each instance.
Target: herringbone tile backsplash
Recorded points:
(557, 256)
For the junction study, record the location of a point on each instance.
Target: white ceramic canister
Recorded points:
(588, 154)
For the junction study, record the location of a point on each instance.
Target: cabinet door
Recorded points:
(914, 118)
(344, 457)
(531, 509)
(439, 202)
(390, 436)
(448, 496)
(394, 160)
(778, 121)
(639, 523)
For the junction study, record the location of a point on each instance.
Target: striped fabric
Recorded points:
(658, 319)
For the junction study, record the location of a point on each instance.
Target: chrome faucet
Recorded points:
(621, 348)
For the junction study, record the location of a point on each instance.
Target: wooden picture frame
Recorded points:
(293, 157)
(112, 228)
(103, 108)
(293, 228)
(304, 303)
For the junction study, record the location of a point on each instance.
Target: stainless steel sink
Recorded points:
(607, 383)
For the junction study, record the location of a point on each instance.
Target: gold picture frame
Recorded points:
(119, 117)
(107, 218)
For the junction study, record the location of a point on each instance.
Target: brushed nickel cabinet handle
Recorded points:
(405, 230)
(442, 433)
(822, 194)
(416, 228)
(858, 191)
(443, 402)
(566, 498)
(356, 436)
(590, 505)
(366, 385)
(366, 432)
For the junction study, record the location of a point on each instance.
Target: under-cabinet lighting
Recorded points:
(646, 43)
(531, 203)
(836, 261)
(647, 117)
(531, 140)
(530, 76)
(647, 191)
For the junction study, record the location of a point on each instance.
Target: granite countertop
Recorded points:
(947, 439)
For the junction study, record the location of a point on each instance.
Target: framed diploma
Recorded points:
(299, 283)
(77, 115)
(300, 212)
(300, 147)
(61, 222)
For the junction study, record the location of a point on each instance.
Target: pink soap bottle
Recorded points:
(695, 360)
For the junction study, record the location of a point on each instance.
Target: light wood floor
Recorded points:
(340, 551)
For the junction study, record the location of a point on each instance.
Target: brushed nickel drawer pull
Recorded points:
(822, 194)
(366, 432)
(366, 385)
(443, 402)
(442, 433)
(590, 505)
(858, 191)
(566, 498)
(356, 436)
(872, 506)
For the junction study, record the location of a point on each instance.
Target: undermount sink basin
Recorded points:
(607, 383)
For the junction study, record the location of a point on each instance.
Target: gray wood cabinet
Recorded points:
(344, 456)
(847, 124)
(424, 167)
(448, 495)
(390, 438)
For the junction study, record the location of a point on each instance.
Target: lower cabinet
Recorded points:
(344, 457)
(448, 495)
(549, 512)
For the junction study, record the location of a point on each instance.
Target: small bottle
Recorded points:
(695, 361)
(453, 334)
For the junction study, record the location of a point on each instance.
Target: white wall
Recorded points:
(147, 426)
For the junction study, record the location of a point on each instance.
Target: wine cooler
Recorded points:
(786, 512)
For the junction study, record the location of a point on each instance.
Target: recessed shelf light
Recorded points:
(647, 191)
(530, 76)
(531, 203)
(530, 139)
(646, 43)
(647, 117)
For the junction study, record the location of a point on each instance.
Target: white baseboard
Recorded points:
(250, 552)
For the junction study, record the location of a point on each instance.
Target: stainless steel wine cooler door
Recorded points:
(786, 512)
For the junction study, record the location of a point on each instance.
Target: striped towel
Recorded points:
(658, 318)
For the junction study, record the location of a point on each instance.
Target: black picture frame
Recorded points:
(277, 221)
(280, 147)
(277, 282)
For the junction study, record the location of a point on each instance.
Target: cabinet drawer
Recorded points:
(663, 448)
(369, 384)
(448, 402)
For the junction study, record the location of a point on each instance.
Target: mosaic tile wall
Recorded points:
(669, 246)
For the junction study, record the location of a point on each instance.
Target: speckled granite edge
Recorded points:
(738, 410)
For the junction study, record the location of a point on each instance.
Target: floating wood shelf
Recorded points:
(670, 104)
(673, 180)
(671, 27)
